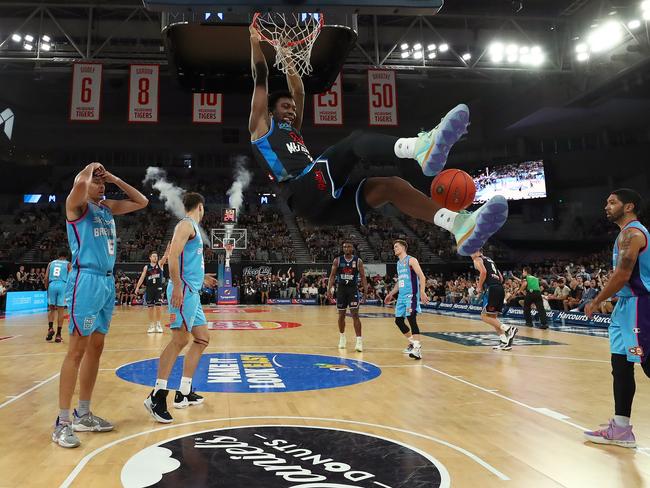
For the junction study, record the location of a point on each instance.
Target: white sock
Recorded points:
(445, 218)
(358, 338)
(411, 340)
(405, 147)
(504, 327)
(622, 421)
(503, 338)
(160, 385)
(342, 335)
(416, 343)
(158, 322)
(186, 385)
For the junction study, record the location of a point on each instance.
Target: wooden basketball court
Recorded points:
(487, 418)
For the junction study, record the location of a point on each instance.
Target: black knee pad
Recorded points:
(402, 325)
(621, 367)
(413, 322)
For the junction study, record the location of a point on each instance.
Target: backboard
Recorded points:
(220, 237)
(215, 56)
(369, 7)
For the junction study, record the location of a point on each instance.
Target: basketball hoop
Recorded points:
(293, 36)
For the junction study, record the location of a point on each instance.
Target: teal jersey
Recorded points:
(92, 239)
(408, 281)
(639, 282)
(191, 263)
(58, 271)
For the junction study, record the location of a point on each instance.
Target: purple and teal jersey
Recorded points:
(191, 263)
(639, 282)
(58, 271)
(92, 239)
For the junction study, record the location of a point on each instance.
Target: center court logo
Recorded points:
(283, 457)
(256, 372)
(250, 325)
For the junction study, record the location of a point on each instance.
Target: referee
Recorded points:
(530, 284)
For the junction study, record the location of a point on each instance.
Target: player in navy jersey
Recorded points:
(90, 293)
(186, 278)
(410, 291)
(321, 191)
(152, 276)
(56, 278)
(629, 331)
(490, 282)
(348, 272)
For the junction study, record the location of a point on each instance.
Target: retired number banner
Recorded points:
(86, 97)
(328, 106)
(382, 97)
(207, 108)
(143, 92)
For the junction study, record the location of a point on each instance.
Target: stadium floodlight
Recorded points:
(645, 5)
(582, 47)
(46, 38)
(605, 37)
(537, 58)
(417, 55)
(646, 14)
(634, 24)
(27, 46)
(16, 38)
(431, 47)
(45, 46)
(512, 58)
(29, 38)
(417, 46)
(431, 55)
(443, 48)
(512, 49)
(466, 56)
(405, 54)
(404, 46)
(582, 57)
(524, 50)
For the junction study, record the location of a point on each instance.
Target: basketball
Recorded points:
(453, 189)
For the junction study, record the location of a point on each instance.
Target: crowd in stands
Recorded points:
(381, 234)
(323, 242)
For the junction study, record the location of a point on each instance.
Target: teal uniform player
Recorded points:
(90, 292)
(57, 279)
(192, 269)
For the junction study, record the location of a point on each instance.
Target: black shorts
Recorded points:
(493, 298)
(319, 198)
(153, 296)
(347, 297)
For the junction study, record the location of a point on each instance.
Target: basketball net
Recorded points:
(293, 36)
(229, 249)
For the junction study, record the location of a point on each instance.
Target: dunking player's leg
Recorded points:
(430, 150)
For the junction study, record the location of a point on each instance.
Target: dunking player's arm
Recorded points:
(259, 121)
(630, 243)
(297, 90)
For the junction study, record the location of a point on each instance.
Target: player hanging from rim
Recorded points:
(56, 278)
(411, 289)
(153, 274)
(347, 269)
(320, 190)
(90, 292)
(186, 277)
(491, 283)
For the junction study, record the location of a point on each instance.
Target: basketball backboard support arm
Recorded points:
(371, 7)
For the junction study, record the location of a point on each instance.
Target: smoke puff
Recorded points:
(243, 178)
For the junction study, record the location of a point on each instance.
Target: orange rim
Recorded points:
(321, 21)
